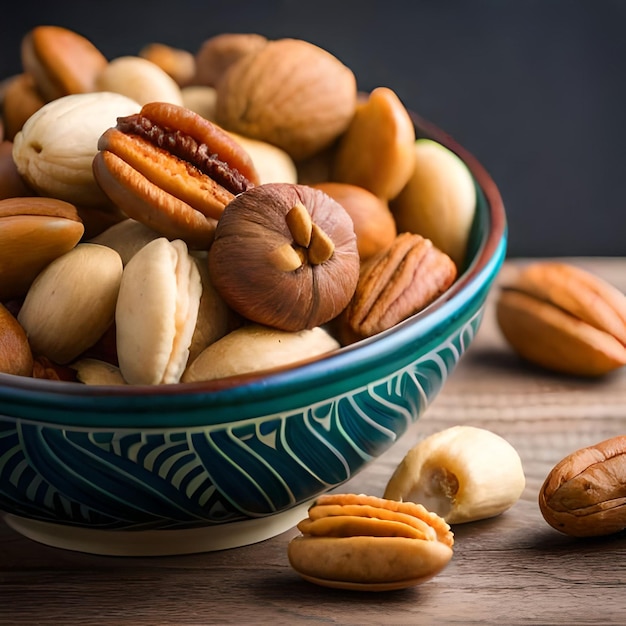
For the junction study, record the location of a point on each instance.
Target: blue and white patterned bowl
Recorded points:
(204, 466)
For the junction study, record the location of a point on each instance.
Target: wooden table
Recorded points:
(513, 569)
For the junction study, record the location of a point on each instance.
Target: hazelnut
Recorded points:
(285, 256)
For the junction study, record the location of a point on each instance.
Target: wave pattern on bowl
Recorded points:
(169, 478)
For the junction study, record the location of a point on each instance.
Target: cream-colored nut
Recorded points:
(71, 303)
(584, 495)
(54, 150)
(200, 99)
(215, 318)
(139, 79)
(462, 473)
(273, 164)
(156, 313)
(563, 318)
(439, 200)
(255, 348)
(126, 238)
(96, 372)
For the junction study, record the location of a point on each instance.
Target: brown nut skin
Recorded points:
(377, 150)
(33, 232)
(219, 52)
(172, 170)
(21, 100)
(584, 495)
(374, 225)
(564, 319)
(395, 284)
(12, 185)
(45, 369)
(15, 353)
(177, 63)
(97, 219)
(61, 61)
(290, 93)
(249, 261)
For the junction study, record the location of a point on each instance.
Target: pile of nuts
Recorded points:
(242, 207)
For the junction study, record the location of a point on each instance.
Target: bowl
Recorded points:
(175, 469)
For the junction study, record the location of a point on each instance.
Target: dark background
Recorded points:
(536, 89)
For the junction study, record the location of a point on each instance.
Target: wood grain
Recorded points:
(513, 569)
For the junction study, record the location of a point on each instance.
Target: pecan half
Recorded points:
(357, 541)
(395, 284)
(564, 319)
(584, 495)
(172, 170)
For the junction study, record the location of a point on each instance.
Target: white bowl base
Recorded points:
(157, 542)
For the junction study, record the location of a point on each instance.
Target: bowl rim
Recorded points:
(243, 388)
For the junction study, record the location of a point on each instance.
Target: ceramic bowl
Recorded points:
(196, 467)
